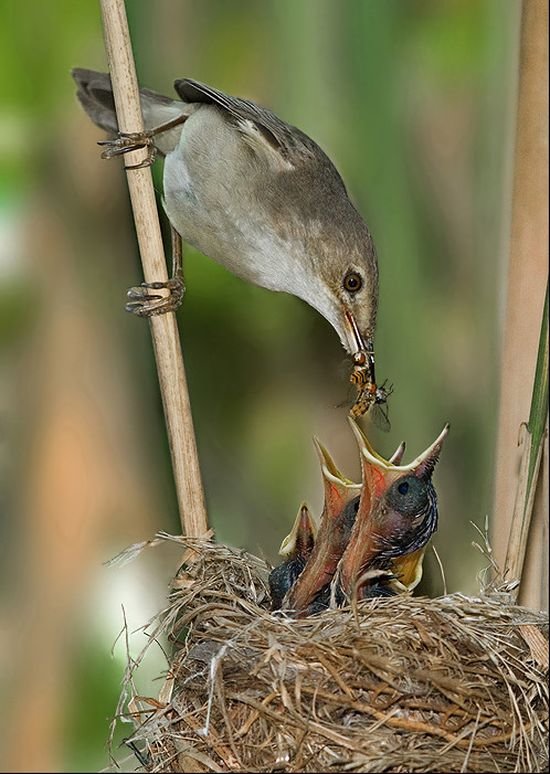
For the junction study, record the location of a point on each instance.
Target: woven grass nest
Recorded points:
(399, 684)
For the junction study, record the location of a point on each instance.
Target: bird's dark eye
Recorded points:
(409, 495)
(353, 282)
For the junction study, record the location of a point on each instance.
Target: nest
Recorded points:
(399, 684)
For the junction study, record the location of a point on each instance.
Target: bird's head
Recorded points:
(397, 513)
(355, 301)
(345, 292)
(341, 503)
(335, 268)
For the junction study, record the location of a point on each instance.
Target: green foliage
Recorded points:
(538, 416)
(95, 685)
(410, 100)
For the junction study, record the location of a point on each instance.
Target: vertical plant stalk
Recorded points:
(532, 442)
(164, 331)
(514, 534)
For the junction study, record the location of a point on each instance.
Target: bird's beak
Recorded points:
(407, 571)
(338, 489)
(422, 467)
(397, 456)
(371, 461)
(356, 554)
(378, 475)
(332, 536)
(355, 339)
(301, 538)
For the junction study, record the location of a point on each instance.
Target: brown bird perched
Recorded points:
(257, 195)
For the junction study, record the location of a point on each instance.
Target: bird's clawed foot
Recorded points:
(126, 142)
(131, 141)
(146, 304)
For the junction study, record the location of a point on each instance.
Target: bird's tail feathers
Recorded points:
(95, 94)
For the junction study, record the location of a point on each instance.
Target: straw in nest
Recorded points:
(399, 684)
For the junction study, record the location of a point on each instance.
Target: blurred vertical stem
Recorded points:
(538, 417)
(532, 441)
(166, 343)
(517, 465)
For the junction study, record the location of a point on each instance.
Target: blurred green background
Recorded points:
(414, 102)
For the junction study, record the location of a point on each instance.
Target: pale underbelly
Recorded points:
(229, 233)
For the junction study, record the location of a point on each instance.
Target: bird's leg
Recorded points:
(146, 304)
(126, 142)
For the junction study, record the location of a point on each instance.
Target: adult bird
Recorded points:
(255, 194)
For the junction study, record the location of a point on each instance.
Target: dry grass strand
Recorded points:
(401, 684)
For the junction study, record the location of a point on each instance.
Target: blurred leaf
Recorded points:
(95, 682)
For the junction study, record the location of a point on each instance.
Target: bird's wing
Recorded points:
(258, 125)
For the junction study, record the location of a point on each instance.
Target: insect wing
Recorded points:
(378, 415)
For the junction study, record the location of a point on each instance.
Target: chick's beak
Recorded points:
(397, 456)
(422, 467)
(338, 490)
(332, 536)
(301, 538)
(361, 542)
(407, 571)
